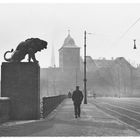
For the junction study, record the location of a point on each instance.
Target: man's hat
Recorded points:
(77, 86)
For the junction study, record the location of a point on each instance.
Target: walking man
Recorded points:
(69, 94)
(77, 98)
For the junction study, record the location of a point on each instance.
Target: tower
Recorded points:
(69, 55)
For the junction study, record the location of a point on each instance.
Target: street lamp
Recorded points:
(134, 44)
(85, 79)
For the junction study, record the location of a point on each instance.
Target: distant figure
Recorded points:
(94, 95)
(69, 94)
(77, 98)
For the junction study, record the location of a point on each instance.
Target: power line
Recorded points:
(130, 27)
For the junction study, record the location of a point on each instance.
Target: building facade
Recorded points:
(115, 77)
(69, 55)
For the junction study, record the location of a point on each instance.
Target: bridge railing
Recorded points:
(50, 103)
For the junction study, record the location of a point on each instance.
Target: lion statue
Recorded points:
(30, 47)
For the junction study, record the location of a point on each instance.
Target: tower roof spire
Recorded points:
(68, 31)
(53, 57)
(69, 41)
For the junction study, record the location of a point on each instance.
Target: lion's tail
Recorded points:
(7, 59)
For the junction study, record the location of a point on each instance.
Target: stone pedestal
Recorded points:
(4, 109)
(21, 82)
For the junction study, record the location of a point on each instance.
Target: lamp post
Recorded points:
(85, 79)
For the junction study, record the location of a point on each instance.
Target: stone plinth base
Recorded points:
(21, 82)
(4, 109)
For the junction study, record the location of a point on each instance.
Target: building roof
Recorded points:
(122, 61)
(69, 42)
(103, 62)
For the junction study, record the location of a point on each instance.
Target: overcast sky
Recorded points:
(51, 22)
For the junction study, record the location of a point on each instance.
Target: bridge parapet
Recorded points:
(50, 103)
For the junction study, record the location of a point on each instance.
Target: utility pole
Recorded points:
(76, 76)
(85, 79)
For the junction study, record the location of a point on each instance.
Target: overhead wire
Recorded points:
(129, 28)
(123, 34)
